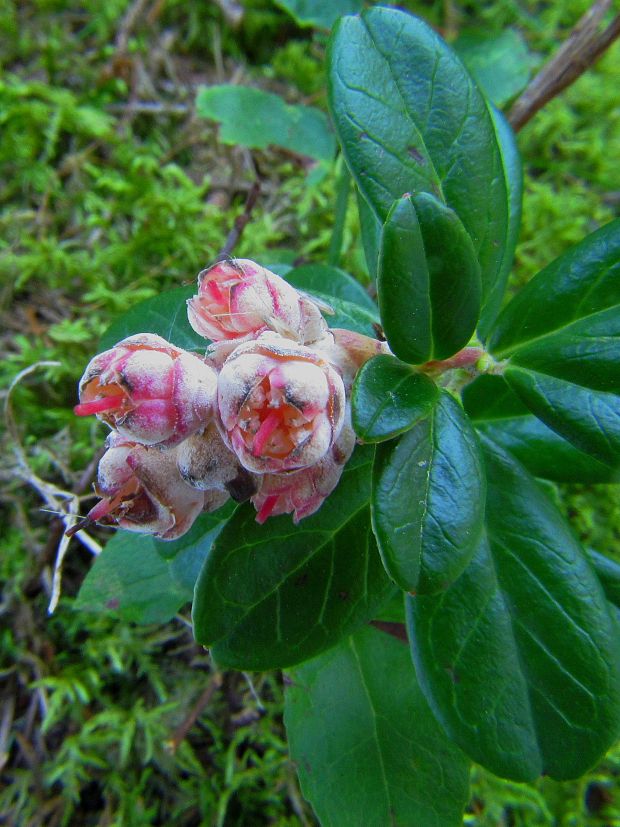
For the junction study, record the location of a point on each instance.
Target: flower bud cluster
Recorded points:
(264, 415)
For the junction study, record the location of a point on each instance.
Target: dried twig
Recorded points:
(185, 726)
(130, 18)
(240, 222)
(584, 46)
(61, 502)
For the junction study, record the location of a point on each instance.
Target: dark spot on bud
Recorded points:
(338, 455)
(242, 487)
(416, 154)
(379, 331)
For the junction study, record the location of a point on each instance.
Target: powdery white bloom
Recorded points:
(281, 405)
(205, 462)
(238, 300)
(149, 390)
(301, 493)
(142, 491)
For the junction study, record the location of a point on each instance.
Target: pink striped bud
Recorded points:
(149, 390)
(205, 462)
(281, 405)
(347, 351)
(301, 493)
(142, 490)
(237, 300)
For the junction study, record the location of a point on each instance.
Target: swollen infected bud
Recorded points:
(205, 462)
(142, 490)
(238, 300)
(281, 405)
(347, 351)
(301, 493)
(149, 390)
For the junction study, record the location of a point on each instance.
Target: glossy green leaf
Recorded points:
(370, 228)
(388, 397)
(544, 453)
(520, 657)
(588, 419)
(561, 334)
(513, 175)
(331, 281)
(608, 573)
(256, 119)
(273, 595)
(320, 13)
(348, 315)
(368, 749)
(187, 554)
(501, 415)
(578, 285)
(129, 578)
(427, 504)
(165, 315)
(500, 62)
(428, 280)
(411, 119)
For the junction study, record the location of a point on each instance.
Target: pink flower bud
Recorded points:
(347, 351)
(238, 299)
(149, 390)
(301, 493)
(142, 491)
(205, 462)
(281, 405)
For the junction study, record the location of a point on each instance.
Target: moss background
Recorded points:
(111, 190)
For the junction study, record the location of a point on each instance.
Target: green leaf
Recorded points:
(367, 748)
(370, 228)
(499, 414)
(520, 657)
(257, 119)
(589, 420)
(578, 285)
(428, 280)
(428, 499)
(187, 554)
(561, 334)
(273, 595)
(388, 398)
(608, 572)
(165, 314)
(410, 119)
(500, 63)
(513, 175)
(349, 315)
(331, 281)
(320, 13)
(129, 578)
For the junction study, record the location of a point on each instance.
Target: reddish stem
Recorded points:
(463, 359)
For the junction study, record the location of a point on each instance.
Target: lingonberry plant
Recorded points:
(435, 522)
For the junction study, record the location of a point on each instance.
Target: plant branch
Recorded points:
(585, 44)
(185, 726)
(240, 222)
